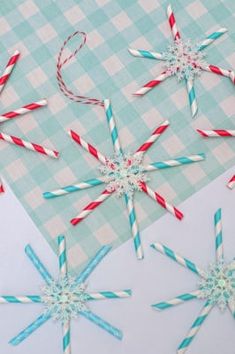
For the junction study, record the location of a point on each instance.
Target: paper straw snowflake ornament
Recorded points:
(216, 285)
(18, 112)
(124, 174)
(183, 58)
(220, 133)
(65, 298)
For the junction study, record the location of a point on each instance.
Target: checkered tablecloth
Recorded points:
(103, 69)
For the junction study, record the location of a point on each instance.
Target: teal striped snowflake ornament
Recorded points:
(183, 59)
(216, 285)
(66, 298)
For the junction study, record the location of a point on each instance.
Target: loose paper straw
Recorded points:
(74, 188)
(151, 84)
(218, 236)
(87, 146)
(134, 227)
(91, 207)
(66, 337)
(102, 324)
(172, 23)
(160, 200)
(23, 110)
(38, 264)
(215, 133)
(103, 251)
(211, 38)
(20, 299)
(145, 54)
(103, 295)
(195, 328)
(62, 256)
(154, 136)
(28, 145)
(177, 300)
(2, 190)
(112, 126)
(231, 183)
(9, 67)
(219, 71)
(184, 160)
(192, 97)
(177, 258)
(30, 329)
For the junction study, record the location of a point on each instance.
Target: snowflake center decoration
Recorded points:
(218, 286)
(184, 59)
(124, 173)
(64, 299)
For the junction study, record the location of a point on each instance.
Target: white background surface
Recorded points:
(154, 279)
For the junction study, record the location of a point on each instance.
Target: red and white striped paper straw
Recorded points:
(8, 69)
(231, 183)
(88, 147)
(172, 23)
(90, 207)
(23, 110)
(2, 190)
(28, 145)
(215, 133)
(219, 71)
(160, 200)
(154, 136)
(151, 84)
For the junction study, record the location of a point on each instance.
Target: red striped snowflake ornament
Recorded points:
(124, 174)
(6, 117)
(183, 59)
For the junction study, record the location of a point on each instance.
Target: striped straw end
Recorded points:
(60, 238)
(75, 221)
(16, 52)
(201, 132)
(158, 307)
(106, 102)
(106, 249)
(132, 51)
(42, 102)
(47, 195)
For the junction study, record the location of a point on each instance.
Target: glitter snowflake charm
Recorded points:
(216, 285)
(184, 59)
(66, 298)
(124, 174)
(4, 117)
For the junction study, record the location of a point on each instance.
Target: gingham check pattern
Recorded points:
(105, 69)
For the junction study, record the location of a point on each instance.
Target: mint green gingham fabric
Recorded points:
(105, 69)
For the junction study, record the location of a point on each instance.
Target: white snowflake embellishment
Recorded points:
(218, 285)
(184, 59)
(124, 174)
(64, 298)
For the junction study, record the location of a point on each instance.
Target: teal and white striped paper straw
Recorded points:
(211, 38)
(112, 126)
(30, 329)
(62, 256)
(38, 264)
(27, 299)
(93, 264)
(183, 160)
(218, 236)
(103, 295)
(134, 227)
(177, 258)
(74, 188)
(64, 273)
(192, 97)
(141, 53)
(195, 328)
(102, 324)
(128, 200)
(177, 300)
